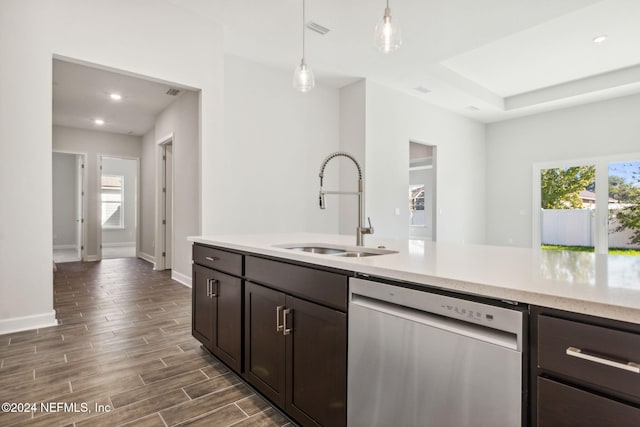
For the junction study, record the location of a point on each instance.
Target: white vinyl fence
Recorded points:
(576, 227)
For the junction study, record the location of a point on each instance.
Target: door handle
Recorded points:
(279, 327)
(581, 354)
(209, 288)
(285, 314)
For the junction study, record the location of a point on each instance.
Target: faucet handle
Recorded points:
(370, 228)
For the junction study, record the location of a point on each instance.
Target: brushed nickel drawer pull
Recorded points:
(629, 366)
(211, 258)
(279, 326)
(285, 313)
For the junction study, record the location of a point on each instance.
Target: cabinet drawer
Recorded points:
(585, 352)
(315, 285)
(220, 260)
(561, 405)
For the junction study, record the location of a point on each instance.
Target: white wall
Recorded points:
(275, 141)
(94, 144)
(513, 146)
(128, 168)
(64, 200)
(353, 141)
(146, 37)
(181, 120)
(392, 120)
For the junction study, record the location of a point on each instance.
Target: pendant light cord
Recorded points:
(303, 38)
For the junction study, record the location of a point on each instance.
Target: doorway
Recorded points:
(68, 206)
(118, 190)
(422, 191)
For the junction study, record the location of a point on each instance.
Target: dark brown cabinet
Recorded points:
(217, 308)
(585, 370)
(295, 349)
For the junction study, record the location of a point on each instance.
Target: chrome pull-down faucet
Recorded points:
(361, 230)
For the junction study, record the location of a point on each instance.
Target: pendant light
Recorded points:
(303, 79)
(387, 36)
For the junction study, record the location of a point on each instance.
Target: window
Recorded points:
(588, 205)
(112, 197)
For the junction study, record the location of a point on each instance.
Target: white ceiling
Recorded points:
(505, 58)
(81, 94)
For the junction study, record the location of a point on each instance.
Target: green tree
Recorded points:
(561, 187)
(629, 194)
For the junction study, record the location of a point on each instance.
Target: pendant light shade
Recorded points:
(303, 79)
(387, 36)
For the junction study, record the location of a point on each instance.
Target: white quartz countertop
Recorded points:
(599, 285)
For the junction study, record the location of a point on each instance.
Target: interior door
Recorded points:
(168, 206)
(79, 206)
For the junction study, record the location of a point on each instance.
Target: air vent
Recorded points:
(422, 89)
(173, 91)
(314, 26)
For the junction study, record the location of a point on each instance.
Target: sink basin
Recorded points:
(317, 250)
(337, 250)
(353, 254)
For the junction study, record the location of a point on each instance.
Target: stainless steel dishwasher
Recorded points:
(423, 359)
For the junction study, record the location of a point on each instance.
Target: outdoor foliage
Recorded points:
(629, 194)
(561, 187)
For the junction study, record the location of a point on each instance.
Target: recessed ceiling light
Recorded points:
(600, 39)
(99, 122)
(115, 96)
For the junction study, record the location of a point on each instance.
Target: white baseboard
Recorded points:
(91, 258)
(64, 247)
(117, 244)
(147, 257)
(182, 278)
(25, 323)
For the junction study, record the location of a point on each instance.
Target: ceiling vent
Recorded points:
(314, 26)
(173, 91)
(422, 89)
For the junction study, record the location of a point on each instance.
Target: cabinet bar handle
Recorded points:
(576, 352)
(214, 288)
(279, 327)
(208, 287)
(285, 313)
(211, 258)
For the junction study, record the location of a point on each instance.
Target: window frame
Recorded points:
(122, 225)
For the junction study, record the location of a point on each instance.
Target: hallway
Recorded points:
(123, 353)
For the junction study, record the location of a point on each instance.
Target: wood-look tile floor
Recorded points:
(123, 343)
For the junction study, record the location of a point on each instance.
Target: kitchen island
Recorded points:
(599, 285)
(581, 315)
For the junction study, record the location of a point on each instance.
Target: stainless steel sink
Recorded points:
(337, 250)
(317, 250)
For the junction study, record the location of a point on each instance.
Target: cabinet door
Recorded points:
(264, 344)
(227, 319)
(202, 306)
(561, 405)
(316, 363)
